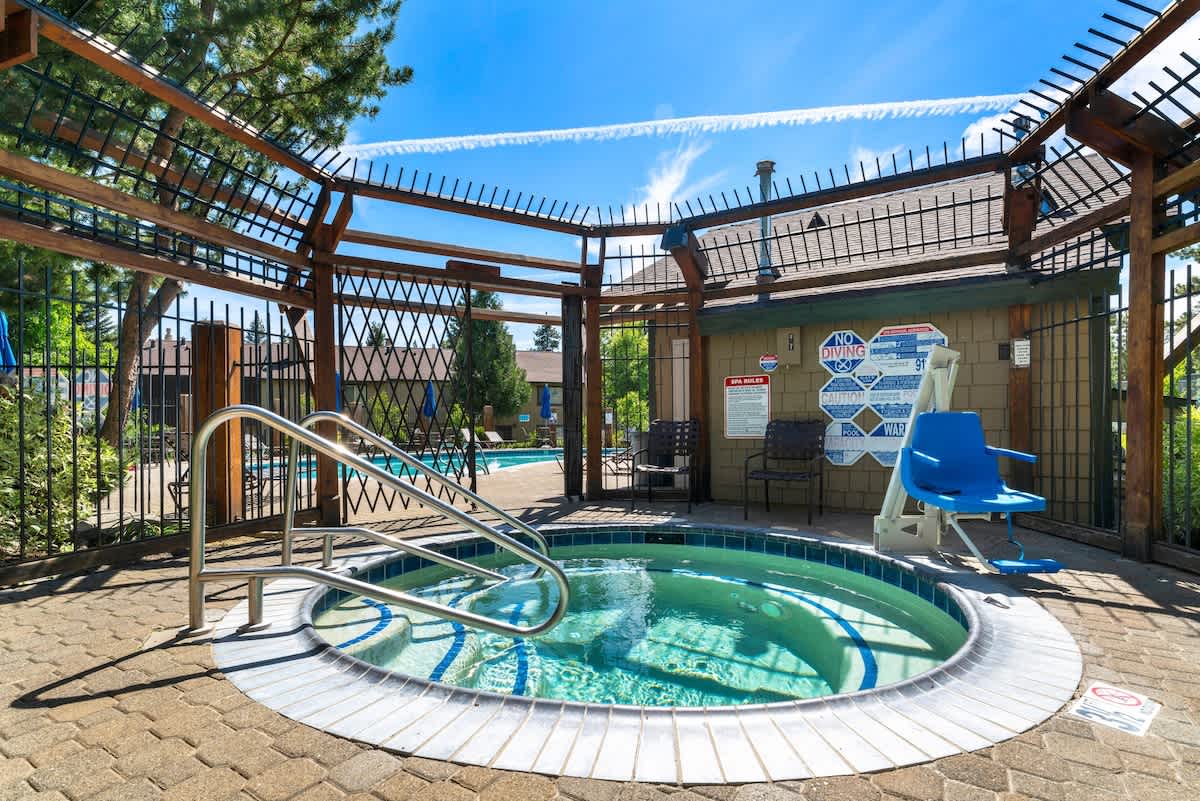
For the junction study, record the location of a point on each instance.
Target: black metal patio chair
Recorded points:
(667, 440)
(793, 450)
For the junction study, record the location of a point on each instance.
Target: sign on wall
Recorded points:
(845, 443)
(882, 374)
(768, 362)
(747, 406)
(842, 398)
(903, 349)
(842, 352)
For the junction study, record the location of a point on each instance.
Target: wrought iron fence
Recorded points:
(68, 482)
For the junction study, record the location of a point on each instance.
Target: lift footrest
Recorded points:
(1027, 565)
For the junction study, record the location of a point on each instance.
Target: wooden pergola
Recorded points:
(260, 236)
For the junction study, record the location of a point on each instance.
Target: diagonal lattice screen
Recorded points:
(402, 361)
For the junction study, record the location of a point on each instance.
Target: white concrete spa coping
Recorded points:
(1018, 667)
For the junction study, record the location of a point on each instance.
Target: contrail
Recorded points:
(711, 123)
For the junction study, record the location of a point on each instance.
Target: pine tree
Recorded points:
(257, 332)
(496, 379)
(546, 337)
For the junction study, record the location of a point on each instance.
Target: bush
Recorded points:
(59, 482)
(632, 413)
(1180, 500)
(385, 416)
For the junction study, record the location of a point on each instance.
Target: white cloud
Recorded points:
(705, 124)
(876, 162)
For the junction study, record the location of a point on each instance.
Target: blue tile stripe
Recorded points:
(460, 637)
(522, 655)
(385, 617)
(870, 666)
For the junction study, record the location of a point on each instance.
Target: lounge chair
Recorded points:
(793, 450)
(667, 440)
(493, 439)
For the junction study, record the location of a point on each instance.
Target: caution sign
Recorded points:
(1116, 708)
(842, 397)
(747, 406)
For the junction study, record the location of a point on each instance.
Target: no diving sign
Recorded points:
(1116, 708)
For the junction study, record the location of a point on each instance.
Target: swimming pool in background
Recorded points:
(449, 462)
(660, 625)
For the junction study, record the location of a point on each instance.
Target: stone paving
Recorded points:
(101, 699)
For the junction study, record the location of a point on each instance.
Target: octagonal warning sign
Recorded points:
(842, 397)
(842, 352)
(904, 349)
(845, 443)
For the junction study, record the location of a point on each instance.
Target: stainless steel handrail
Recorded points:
(198, 574)
(341, 420)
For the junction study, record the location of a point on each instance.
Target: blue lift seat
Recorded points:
(951, 467)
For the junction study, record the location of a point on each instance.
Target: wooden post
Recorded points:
(325, 389)
(217, 383)
(572, 422)
(698, 394)
(1143, 488)
(1020, 399)
(593, 376)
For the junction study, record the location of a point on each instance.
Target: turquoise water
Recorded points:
(657, 625)
(448, 462)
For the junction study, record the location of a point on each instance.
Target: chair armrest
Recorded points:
(753, 456)
(923, 458)
(633, 457)
(1020, 456)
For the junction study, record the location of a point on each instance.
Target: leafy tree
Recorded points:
(625, 356)
(546, 337)
(495, 379)
(311, 66)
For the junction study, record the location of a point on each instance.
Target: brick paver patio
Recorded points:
(100, 699)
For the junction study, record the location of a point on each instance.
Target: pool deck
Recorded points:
(100, 698)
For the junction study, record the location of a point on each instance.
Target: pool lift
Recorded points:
(947, 467)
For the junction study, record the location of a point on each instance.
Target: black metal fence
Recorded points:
(66, 482)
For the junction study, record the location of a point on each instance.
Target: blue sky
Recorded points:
(517, 65)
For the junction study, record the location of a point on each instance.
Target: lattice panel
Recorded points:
(402, 355)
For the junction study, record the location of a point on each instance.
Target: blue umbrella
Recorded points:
(430, 404)
(136, 403)
(337, 391)
(546, 412)
(8, 359)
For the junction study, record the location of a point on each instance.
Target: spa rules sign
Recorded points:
(747, 406)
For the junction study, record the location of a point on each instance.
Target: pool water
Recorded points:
(657, 625)
(448, 462)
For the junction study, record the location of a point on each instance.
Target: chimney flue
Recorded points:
(766, 272)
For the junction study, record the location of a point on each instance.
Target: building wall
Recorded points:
(982, 386)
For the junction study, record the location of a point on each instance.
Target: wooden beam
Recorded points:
(1177, 238)
(18, 37)
(1112, 126)
(1144, 405)
(470, 271)
(53, 179)
(1020, 217)
(502, 315)
(360, 265)
(1078, 226)
(109, 57)
(1184, 342)
(1170, 21)
(572, 382)
(414, 197)
(681, 243)
(847, 277)
(193, 272)
(1178, 182)
(457, 251)
(593, 371)
(618, 299)
(821, 197)
(325, 350)
(333, 232)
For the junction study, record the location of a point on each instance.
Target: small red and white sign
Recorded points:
(747, 406)
(768, 362)
(1116, 708)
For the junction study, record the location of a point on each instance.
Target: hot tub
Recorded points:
(688, 654)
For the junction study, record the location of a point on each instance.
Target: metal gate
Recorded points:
(403, 365)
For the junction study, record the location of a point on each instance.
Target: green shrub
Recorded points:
(64, 472)
(632, 412)
(1178, 498)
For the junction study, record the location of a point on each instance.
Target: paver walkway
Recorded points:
(100, 700)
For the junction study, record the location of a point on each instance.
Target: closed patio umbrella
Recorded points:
(545, 411)
(8, 359)
(430, 405)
